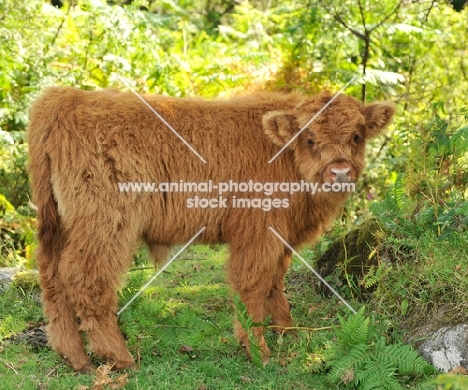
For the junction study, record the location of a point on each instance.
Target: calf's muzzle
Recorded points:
(339, 172)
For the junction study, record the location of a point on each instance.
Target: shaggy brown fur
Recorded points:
(83, 143)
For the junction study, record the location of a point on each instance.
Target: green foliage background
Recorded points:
(414, 53)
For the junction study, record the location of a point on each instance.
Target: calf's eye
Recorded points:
(310, 142)
(356, 138)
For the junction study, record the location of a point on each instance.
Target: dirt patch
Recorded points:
(351, 256)
(35, 335)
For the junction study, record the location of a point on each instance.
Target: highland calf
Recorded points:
(83, 144)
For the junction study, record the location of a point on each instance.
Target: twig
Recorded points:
(170, 326)
(410, 80)
(10, 366)
(340, 20)
(365, 35)
(305, 328)
(53, 370)
(347, 260)
(138, 351)
(140, 269)
(377, 156)
(462, 67)
(361, 11)
(72, 5)
(395, 10)
(429, 10)
(365, 56)
(181, 259)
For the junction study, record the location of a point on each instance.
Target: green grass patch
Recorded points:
(180, 332)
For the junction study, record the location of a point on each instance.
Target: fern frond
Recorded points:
(426, 216)
(374, 275)
(399, 194)
(351, 362)
(406, 359)
(459, 140)
(134, 284)
(380, 381)
(362, 359)
(377, 375)
(129, 325)
(354, 330)
(247, 324)
(154, 308)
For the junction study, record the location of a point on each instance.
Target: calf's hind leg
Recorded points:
(92, 269)
(62, 330)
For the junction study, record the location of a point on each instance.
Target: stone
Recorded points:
(7, 273)
(447, 348)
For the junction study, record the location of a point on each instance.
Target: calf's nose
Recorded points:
(342, 175)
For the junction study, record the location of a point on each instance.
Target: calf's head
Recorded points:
(331, 148)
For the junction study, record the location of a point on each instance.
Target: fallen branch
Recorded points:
(169, 326)
(10, 366)
(53, 370)
(304, 328)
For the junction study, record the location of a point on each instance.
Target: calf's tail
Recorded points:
(43, 115)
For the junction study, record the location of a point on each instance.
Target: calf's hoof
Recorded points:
(283, 329)
(120, 365)
(81, 367)
(243, 338)
(282, 324)
(264, 350)
(87, 369)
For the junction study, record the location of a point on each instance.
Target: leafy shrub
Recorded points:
(361, 357)
(452, 381)
(17, 237)
(26, 280)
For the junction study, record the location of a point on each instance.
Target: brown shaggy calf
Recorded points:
(82, 144)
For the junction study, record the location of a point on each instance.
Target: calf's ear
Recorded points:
(280, 127)
(378, 116)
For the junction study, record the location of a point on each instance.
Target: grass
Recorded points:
(180, 332)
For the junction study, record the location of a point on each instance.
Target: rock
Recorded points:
(6, 276)
(447, 348)
(7, 273)
(27, 280)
